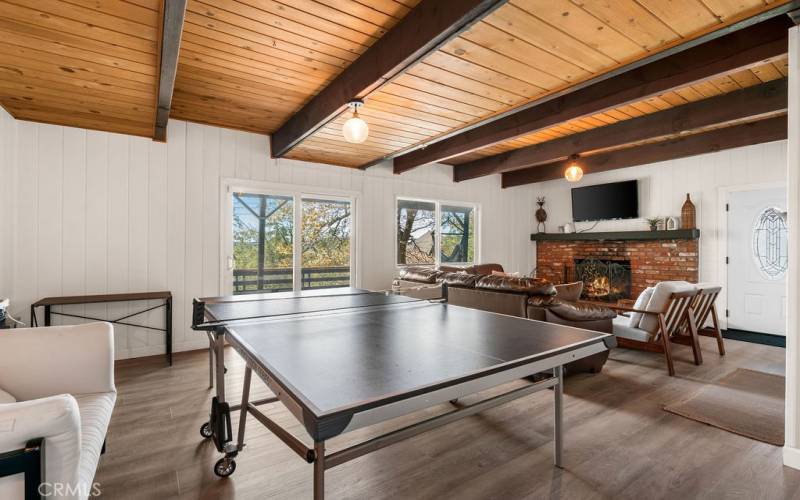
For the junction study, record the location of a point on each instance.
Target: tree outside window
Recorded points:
(422, 226)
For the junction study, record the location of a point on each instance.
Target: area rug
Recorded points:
(745, 402)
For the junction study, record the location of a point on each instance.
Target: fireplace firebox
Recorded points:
(604, 279)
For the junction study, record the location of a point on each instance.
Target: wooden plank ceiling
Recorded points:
(521, 52)
(252, 64)
(83, 63)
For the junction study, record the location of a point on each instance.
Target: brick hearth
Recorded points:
(651, 261)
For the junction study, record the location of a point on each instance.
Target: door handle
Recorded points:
(230, 263)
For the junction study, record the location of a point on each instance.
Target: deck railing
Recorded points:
(280, 279)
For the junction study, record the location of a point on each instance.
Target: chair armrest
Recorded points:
(56, 419)
(39, 362)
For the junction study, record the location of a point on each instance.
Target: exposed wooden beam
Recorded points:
(173, 12)
(428, 26)
(771, 129)
(740, 49)
(766, 98)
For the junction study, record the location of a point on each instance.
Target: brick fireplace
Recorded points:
(650, 261)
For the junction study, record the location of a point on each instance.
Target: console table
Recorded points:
(48, 302)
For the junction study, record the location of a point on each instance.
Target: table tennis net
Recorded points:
(218, 312)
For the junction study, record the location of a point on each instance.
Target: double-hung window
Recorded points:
(434, 232)
(288, 241)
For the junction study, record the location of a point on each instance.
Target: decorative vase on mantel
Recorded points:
(688, 214)
(541, 215)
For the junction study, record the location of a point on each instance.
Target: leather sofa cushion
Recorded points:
(487, 268)
(414, 289)
(569, 291)
(529, 286)
(541, 300)
(481, 269)
(572, 311)
(420, 274)
(487, 300)
(463, 280)
(456, 269)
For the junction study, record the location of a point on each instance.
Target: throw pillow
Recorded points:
(6, 398)
(571, 292)
(640, 304)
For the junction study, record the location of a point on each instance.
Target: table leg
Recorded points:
(220, 366)
(210, 363)
(248, 372)
(46, 315)
(168, 327)
(319, 470)
(558, 394)
(34, 323)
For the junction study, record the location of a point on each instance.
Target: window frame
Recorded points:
(437, 261)
(298, 193)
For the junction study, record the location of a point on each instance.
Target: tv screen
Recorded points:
(617, 200)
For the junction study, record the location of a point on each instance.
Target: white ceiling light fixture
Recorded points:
(355, 130)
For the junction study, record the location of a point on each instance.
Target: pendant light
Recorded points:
(355, 130)
(574, 172)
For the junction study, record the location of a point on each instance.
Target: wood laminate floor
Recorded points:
(619, 442)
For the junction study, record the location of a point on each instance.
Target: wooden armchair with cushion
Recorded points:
(663, 316)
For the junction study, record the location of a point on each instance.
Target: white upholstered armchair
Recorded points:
(56, 397)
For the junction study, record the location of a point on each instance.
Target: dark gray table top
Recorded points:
(348, 361)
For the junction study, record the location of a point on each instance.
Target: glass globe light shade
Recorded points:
(573, 173)
(355, 129)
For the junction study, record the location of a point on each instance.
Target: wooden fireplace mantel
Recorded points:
(677, 234)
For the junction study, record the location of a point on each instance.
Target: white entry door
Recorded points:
(757, 260)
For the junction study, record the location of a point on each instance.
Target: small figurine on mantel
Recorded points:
(688, 214)
(541, 215)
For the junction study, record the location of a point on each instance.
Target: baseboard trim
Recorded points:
(193, 345)
(755, 337)
(791, 457)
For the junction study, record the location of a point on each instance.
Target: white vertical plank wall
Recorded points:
(93, 212)
(8, 158)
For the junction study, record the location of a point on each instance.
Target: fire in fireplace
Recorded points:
(607, 280)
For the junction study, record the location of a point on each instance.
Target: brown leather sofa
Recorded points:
(531, 298)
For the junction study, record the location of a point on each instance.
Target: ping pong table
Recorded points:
(350, 359)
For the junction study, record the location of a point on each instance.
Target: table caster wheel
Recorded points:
(205, 430)
(224, 467)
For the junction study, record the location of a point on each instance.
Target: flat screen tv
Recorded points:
(617, 200)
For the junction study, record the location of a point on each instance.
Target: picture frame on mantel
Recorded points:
(672, 223)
